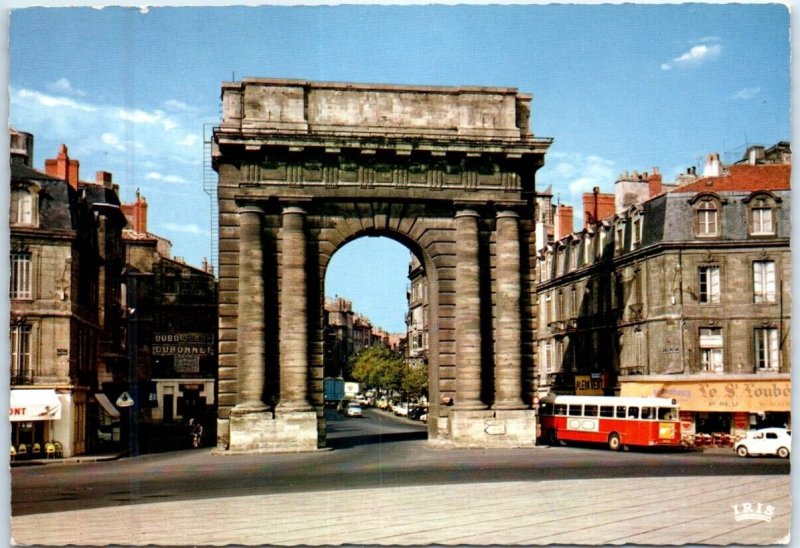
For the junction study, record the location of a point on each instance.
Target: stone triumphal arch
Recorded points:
(305, 167)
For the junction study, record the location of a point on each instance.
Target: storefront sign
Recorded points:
(33, 405)
(718, 395)
(187, 364)
(183, 344)
(588, 385)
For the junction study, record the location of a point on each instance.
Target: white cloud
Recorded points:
(53, 102)
(173, 104)
(189, 228)
(112, 140)
(62, 85)
(747, 93)
(142, 117)
(579, 173)
(695, 56)
(175, 179)
(190, 139)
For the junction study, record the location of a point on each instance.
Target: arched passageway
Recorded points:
(305, 168)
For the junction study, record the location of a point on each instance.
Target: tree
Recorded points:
(378, 366)
(416, 380)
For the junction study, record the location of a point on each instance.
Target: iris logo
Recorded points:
(750, 511)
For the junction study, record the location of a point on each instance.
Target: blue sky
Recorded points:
(619, 88)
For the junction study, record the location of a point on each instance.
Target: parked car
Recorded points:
(417, 412)
(767, 441)
(353, 410)
(400, 409)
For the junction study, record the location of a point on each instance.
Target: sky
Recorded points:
(625, 87)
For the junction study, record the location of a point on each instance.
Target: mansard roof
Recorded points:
(744, 178)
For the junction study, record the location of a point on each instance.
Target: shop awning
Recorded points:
(106, 404)
(34, 405)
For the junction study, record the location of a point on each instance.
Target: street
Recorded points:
(376, 451)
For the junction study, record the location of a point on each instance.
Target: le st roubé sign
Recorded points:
(185, 351)
(750, 395)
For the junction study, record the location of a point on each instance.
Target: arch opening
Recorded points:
(375, 341)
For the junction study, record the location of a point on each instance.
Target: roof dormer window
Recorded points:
(24, 206)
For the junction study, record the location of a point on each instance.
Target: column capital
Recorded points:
(250, 208)
(507, 214)
(293, 210)
(467, 212)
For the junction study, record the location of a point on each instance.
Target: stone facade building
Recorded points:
(65, 265)
(682, 294)
(172, 332)
(305, 167)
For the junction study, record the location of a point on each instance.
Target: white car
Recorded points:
(767, 441)
(353, 410)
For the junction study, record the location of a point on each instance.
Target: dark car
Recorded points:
(417, 412)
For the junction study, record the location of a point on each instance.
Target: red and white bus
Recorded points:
(610, 420)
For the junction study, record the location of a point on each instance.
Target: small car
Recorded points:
(353, 410)
(767, 441)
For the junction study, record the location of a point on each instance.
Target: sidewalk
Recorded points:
(69, 460)
(651, 511)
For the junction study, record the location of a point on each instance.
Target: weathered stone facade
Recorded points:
(305, 167)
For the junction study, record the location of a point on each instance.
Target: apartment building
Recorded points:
(684, 292)
(65, 314)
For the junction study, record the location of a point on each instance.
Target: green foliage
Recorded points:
(379, 367)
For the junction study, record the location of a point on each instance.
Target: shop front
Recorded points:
(716, 411)
(33, 415)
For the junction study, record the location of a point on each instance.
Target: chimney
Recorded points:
(136, 214)
(713, 167)
(63, 168)
(655, 183)
(563, 221)
(103, 178)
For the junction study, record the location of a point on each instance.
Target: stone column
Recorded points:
(508, 369)
(250, 340)
(468, 313)
(294, 314)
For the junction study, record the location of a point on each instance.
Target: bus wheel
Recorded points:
(614, 443)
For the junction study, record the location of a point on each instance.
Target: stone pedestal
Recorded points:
(492, 428)
(288, 432)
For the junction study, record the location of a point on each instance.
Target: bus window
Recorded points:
(607, 411)
(647, 413)
(621, 412)
(546, 409)
(633, 412)
(589, 410)
(560, 409)
(666, 414)
(575, 410)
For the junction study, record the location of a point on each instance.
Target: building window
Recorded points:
(548, 265)
(764, 281)
(574, 251)
(636, 233)
(707, 219)
(546, 309)
(588, 256)
(619, 238)
(766, 347)
(21, 372)
(602, 238)
(21, 280)
(709, 285)
(761, 222)
(23, 207)
(711, 349)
